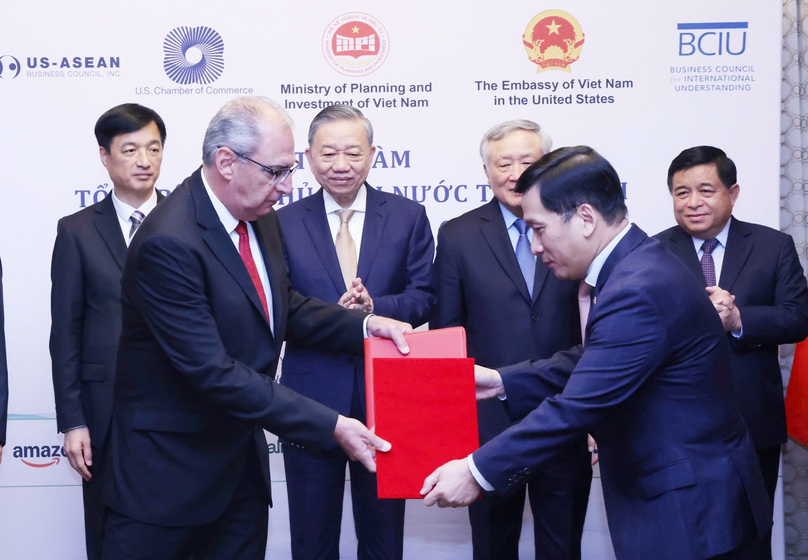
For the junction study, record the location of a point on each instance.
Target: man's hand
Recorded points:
(357, 297)
(724, 304)
(489, 383)
(78, 451)
(390, 328)
(359, 443)
(592, 445)
(451, 485)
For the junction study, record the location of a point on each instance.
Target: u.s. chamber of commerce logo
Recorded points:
(553, 40)
(193, 55)
(9, 67)
(355, 44)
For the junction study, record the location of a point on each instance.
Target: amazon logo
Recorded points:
(39, 456)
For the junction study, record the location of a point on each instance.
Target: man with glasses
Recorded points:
(206, 308)
(364, 249)
(88, 259)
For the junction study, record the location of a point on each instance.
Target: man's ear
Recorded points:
(225, 159)
(589, 218)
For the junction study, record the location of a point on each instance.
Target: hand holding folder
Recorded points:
(423, 403)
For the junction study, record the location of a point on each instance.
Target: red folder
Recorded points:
(423, 403)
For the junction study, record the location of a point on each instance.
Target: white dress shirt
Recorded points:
(124, 212)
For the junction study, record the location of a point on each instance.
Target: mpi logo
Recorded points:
(712, 39)
(193, 55)
(39, 456)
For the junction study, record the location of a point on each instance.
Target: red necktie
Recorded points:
(246, 256)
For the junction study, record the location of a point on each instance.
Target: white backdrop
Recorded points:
(688, 73)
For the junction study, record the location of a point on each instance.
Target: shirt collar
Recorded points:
(721, 237)
(359, 204)
(228, 220)
(507, 215)
(597, 264)
(124, 210)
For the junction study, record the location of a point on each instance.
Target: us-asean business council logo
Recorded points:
(553, 40)
(193, 55)
(355, 44)
(9, 67)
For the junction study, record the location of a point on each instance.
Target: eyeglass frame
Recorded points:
(289, 171)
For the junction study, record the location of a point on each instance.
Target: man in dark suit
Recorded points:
(88, 259)
(206, 307)
(651, 382)
(386, 269)
(3, 372)
(756, 283)
(482, 287)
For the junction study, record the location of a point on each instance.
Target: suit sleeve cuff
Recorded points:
(477, 476)
(365, 325)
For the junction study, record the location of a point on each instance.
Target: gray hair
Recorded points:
(238, 124)
(499, 131)
(339, 112)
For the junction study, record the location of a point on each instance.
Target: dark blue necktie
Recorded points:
(523, 255)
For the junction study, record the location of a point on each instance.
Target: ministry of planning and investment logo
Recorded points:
(553, 40)
(193, 55)
(9, 67)
(355, 44)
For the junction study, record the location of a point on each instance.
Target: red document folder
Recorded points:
(423, 403)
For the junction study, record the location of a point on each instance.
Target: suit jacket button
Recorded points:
(535, 318)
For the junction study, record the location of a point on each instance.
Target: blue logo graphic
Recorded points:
(204, 41)
(712, 39)
(9, 67)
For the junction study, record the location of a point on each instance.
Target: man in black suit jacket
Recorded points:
(760, 295)
(651, 382)
(481, 287)
(388, 271)
(206, 307)
(88, 259)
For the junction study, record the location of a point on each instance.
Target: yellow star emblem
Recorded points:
(355, 29)
(553, 27)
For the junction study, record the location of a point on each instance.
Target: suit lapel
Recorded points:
(681, 244)
(316, 223)
(106, 222)
(276, 270)
(634, 237)
(495, 234)
(220, 243)
(372, 232)
(736, 253)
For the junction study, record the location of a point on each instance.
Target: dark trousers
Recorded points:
(239, 533)
(558, 499)
(95, 512)
(316, 486)
(769, 460)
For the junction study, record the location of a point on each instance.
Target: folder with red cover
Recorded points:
(423, 403)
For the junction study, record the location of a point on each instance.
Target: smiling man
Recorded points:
(513, 309)
(365, 249)
(651, 383)
(206, 307)
(756, 283)
(88, 259)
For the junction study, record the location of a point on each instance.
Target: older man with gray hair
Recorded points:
(206, 307)
(354, 245)
(513, 310)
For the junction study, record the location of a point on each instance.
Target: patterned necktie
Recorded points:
(136, 218)
(526, 260)
(707, 262)
(246, 255)
(346, 248)
(584, 304)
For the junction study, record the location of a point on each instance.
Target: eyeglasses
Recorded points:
(278, 175)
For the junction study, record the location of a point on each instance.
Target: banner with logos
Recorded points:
(638, 82)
